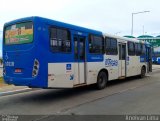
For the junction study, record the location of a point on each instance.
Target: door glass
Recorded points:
(120, 53)
(123, 52)
(79, 48)
(76, 48)
(82, 49)
(150, 59)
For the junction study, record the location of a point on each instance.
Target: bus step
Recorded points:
(80, 85)
(122, 77)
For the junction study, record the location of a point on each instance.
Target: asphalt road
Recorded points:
(130, 96)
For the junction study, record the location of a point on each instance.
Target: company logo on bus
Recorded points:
(11, 64)
(110, 62)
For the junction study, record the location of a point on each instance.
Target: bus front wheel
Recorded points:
(101, 80)
(143, 72)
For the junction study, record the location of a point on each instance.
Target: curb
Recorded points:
(156, 69)
(16, 91)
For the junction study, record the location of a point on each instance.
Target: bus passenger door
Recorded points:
(122, 60)
(79, 56)
(149, 59)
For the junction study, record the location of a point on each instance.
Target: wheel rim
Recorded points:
(143, 72)
(101, 80)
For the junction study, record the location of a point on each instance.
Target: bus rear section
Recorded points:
(47, 54)
(21, 66)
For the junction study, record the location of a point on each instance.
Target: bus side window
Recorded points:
(96, 44)
(143, 49)
(53, 39)
(111, 46)
(131, 48)
(138, 49)
(60, 40)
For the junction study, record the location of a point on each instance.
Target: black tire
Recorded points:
(101, 80)
(143, 72)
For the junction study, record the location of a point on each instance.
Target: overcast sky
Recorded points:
(109, 16)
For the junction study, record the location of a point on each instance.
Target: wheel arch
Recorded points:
(104, 70)
(144, 66)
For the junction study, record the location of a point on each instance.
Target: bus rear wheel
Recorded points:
(101, 80)
(143, 72)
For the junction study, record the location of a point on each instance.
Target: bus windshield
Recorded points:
(20, 33)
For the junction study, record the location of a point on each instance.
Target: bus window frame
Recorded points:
(71, 39)
(103, 44)
(143, 53)
(128, 48)
(139, 53)
(116, 46)
(14, 24)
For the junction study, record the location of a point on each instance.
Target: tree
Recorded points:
(1, 61)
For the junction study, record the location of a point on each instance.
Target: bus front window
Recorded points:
(21, 33)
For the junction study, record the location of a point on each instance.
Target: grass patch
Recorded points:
(1, 80)
(2, 83)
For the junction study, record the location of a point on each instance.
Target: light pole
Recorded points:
(132, 19)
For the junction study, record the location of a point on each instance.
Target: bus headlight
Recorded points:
(35, 68)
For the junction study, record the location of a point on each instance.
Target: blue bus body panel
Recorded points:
(24, 55)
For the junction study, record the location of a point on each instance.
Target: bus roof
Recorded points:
(70, 26)
(125, 38)
(54, 22)
(19, 20)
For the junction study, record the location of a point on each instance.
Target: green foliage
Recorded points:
(1, 61)
(1, 80)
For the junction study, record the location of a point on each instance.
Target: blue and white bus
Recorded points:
(44, 53)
